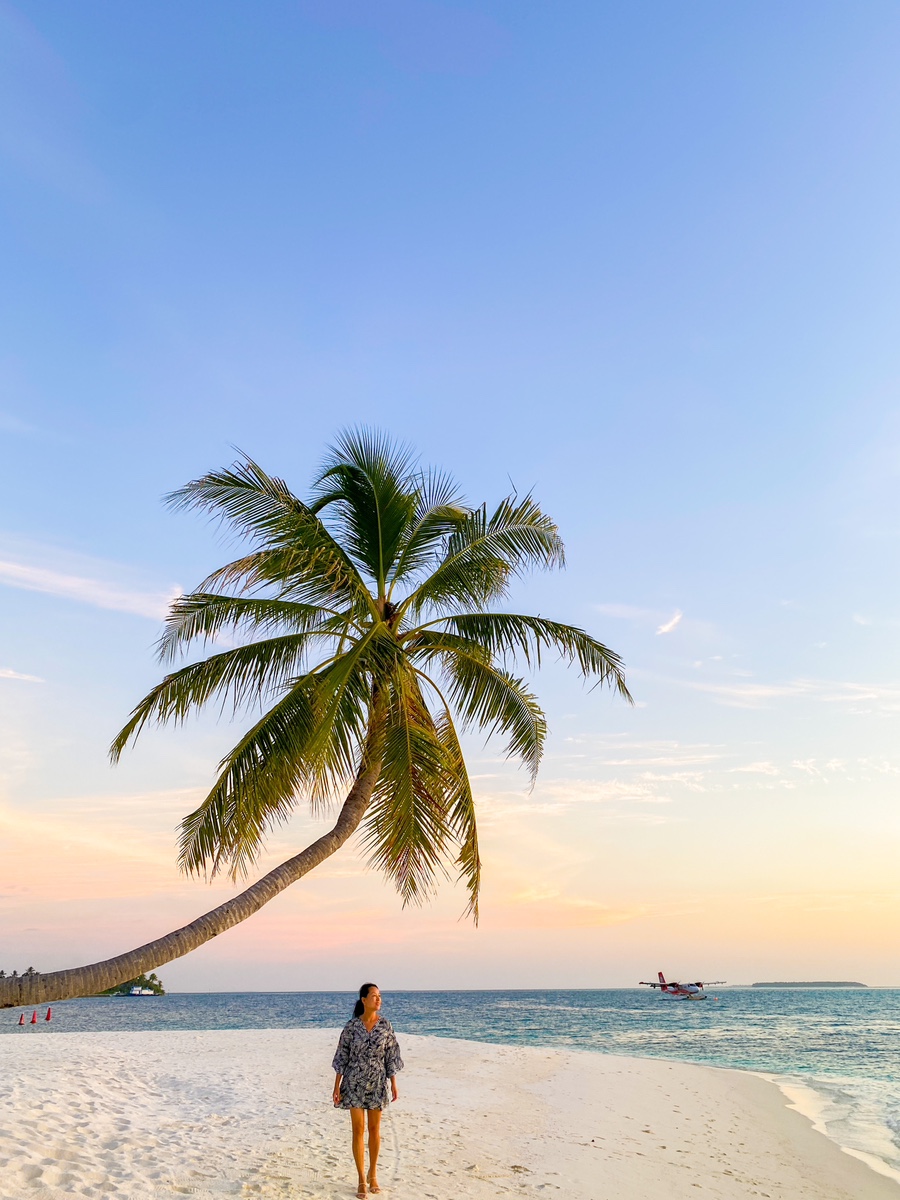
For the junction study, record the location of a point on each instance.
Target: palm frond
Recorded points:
(484, 552)
(246, 673)
(461, 809)
(345, 688)
(310, 741)
(207, 615)
(294, 549)
(511, 635)
(367, 492)
(255, 504)
(486, 696)
(407, 828)
(257, 787)
(439, 511)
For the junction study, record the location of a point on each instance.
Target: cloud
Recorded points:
(660, 754)
(812, 768)
(879, 697)
(753, 695)
(566, 792)
(665, 620)
(95, 592)
(620, 799)
(671, 623)
(9, 673)
(692, 780)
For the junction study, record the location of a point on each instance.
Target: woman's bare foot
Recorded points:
(361, 1192)
(373, 1185)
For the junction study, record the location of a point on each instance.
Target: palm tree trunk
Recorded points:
(87, 981)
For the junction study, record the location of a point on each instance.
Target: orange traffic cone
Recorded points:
(34, 1017)
(22, 1019)
(49, 1015)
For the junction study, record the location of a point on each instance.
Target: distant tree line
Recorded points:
(15, 974)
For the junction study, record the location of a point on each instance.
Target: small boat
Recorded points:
(139, 991)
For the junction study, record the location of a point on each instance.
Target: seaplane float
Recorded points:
(681, 991)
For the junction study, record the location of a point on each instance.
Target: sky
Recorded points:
(642, 259)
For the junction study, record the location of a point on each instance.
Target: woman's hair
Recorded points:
(359, 1007)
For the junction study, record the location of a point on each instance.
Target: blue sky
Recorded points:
(643, 259)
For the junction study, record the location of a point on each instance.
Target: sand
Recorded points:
(248, 1113)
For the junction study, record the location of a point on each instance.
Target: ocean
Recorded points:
(835, 1052)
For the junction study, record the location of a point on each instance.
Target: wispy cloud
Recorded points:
(660, 754)
(671, 623)
(692, 780)
(751, 695)
(817, 770)
(9, 673)
(96, 592)
(618, 798)
(568, 792)
(858, 697)
(663, 619)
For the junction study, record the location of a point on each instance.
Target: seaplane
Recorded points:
(681, 991)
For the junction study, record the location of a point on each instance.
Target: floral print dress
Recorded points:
(366, 1059)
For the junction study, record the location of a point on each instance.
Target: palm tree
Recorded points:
(366, 630)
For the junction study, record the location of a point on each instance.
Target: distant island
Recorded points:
(812, 983)
(149, 985)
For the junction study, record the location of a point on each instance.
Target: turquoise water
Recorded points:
(842, 1045)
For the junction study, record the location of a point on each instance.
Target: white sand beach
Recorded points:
(248, 1113)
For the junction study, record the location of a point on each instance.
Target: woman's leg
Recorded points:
(358, 1128)
(374, 1115)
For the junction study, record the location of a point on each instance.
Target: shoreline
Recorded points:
(809, 1103)
(128, 1114)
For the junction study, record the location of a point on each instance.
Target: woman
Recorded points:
(367, 1057)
